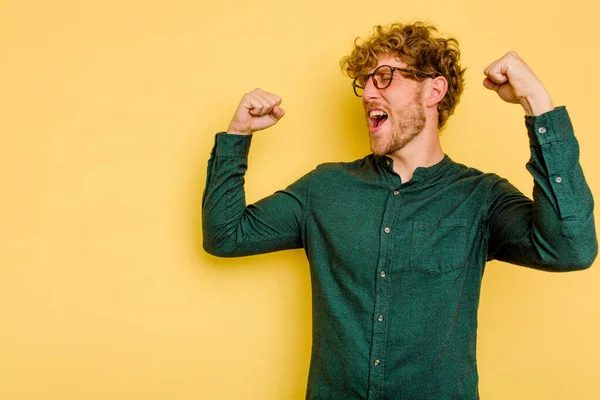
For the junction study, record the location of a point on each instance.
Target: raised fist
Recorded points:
(515, 82)
(257, 110)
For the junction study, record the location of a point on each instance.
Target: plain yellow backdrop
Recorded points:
(108, 114)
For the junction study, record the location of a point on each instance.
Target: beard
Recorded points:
(407, 123)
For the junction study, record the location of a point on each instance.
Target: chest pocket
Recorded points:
(438, 246)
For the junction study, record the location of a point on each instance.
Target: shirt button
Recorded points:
(377, 362)
(380, 318)
(542, 130)
(382, 274)
(387, 229)
(396, 193)
(558, 179)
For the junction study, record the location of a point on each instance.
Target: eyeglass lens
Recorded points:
(382, 77)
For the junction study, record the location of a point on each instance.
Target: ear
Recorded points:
(438, 87)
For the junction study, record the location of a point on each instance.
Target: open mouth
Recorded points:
(376, 119)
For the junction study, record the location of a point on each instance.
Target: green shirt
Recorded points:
(396, 268)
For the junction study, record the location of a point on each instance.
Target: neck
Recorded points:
(424, 150)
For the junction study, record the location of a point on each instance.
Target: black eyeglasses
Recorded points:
(382, 77)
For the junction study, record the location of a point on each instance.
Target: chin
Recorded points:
(378, 149)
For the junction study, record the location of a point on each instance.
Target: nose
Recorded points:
(370, 92)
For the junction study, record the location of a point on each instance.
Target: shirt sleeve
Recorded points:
(555, 231)
(230, 227)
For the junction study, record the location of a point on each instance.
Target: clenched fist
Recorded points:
(257, 110)
(515, 82)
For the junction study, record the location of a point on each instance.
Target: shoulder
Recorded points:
(475, 176)
(361, 167)
(467, 171)
(340, 176)
(348, 166)
(330, 174)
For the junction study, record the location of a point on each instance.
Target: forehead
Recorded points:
(388, 59)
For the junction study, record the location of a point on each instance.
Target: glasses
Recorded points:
(382, 78)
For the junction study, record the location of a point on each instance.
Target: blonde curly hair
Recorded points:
(416, 45)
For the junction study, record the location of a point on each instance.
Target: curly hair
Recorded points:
(416, 45)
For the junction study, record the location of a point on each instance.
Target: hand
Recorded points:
(515, 82)
(257, 110)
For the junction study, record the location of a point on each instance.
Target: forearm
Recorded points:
(563, 216)
(223, 201)
(556, 232)
(230, 228)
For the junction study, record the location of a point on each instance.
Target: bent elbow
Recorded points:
(217, 249)
(581, 259)
(587, 260)
(578, 265)
(208, 247)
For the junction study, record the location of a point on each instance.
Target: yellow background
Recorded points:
(107, 116)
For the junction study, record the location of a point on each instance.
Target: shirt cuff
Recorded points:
(231, 145)
(549, 127)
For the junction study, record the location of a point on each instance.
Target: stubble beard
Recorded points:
(409, 122)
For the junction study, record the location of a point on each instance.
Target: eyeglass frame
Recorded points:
(393, 69)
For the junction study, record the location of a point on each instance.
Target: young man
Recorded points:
(397, 241)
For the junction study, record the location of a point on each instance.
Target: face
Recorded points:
(396, 114)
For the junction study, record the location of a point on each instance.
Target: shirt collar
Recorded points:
(421, 173)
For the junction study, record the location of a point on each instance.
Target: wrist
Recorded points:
(537, 103)
(231, 130)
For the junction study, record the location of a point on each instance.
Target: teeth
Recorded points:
(377, 114)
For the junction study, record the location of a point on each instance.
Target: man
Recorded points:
(397, 241)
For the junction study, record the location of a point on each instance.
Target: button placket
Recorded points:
(382, 292)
